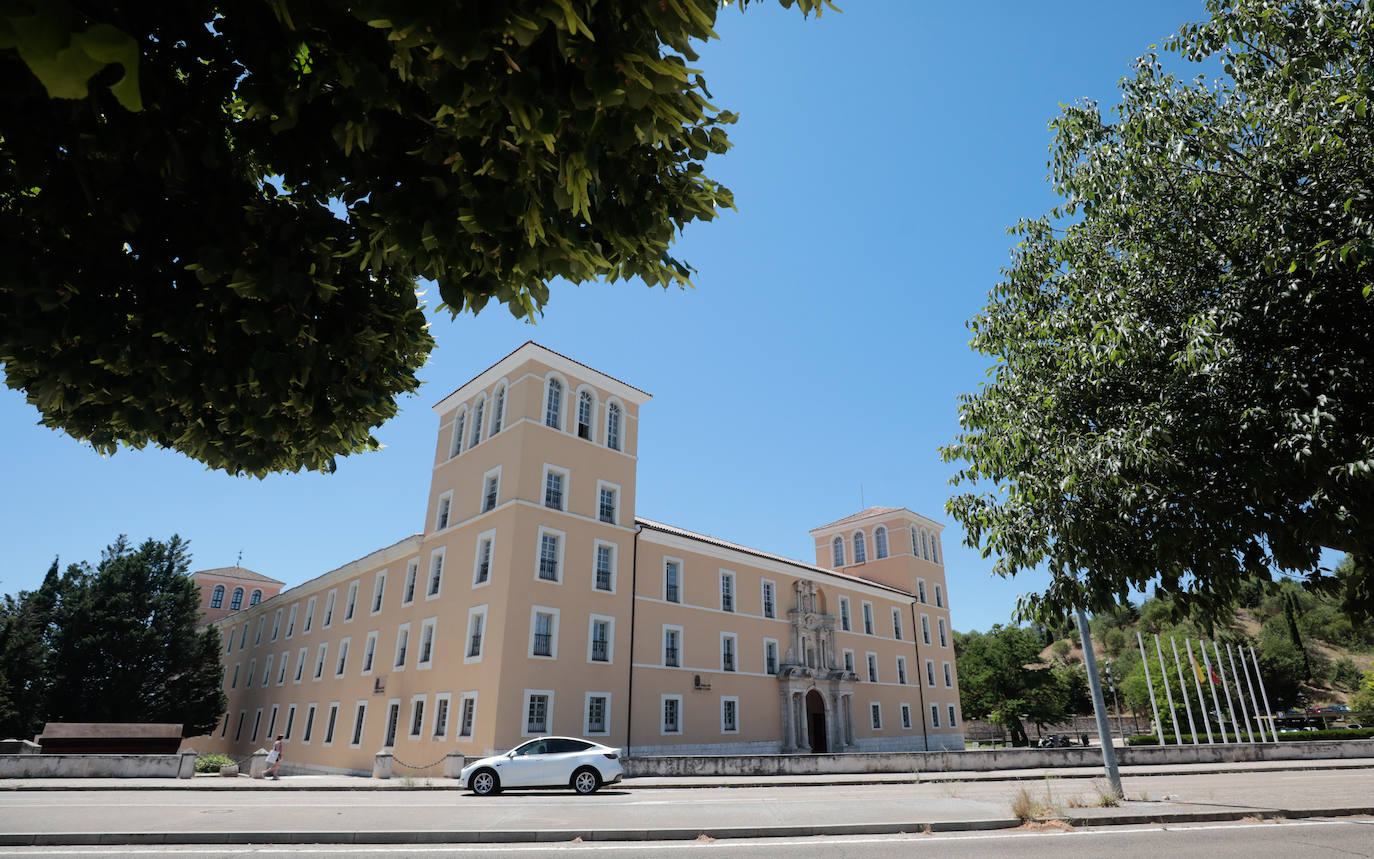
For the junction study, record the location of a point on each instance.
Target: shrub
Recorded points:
(1346, 674)
(212, 763)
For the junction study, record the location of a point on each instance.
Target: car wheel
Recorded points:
(484, 782)
(586, 781)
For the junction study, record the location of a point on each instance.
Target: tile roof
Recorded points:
(862, 514)
(236, 572)
(551, 352)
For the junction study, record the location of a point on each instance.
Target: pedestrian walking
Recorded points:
(274, 757)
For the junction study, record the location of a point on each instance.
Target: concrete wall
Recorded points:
(990, 759)
(181, 765)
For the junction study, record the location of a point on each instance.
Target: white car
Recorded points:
(545, 762)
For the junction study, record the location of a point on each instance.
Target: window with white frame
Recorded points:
(848, 660)
(935, 715)
(378, 589)
(309, 724)
(412, 573)
(770, 601)
(290, 721)
(868, 617)
(837, 552)
(553, 403)
(672, 714)
(672, 580)
(351, 604)
(901, 670)
(402, 647)
(436, 573)
(455, 440)
(603, 578)
(234, 683)
(257, 631)
(915, 542)
(267, 672)
(417, 715)
(236, 601)
(729, 714)
(608, 502)
(243, 635)
(872, 660)
(921, 591)
(320, 656)
(598, 714)
(897, 624)
(538, 712)
(543, 632)
(281, 670)
(369, 651)
(727, 590)
(672, 646)
(728, 648)
(930, 673)
(393, 718)
(935, 550)
(953, 723)
(498, 409)
(860, 553)
(329, 608)
(238, 732)
(252, 673)
(555, 488)
(330, 721)
(272, 720)
(586, 411)
(491, 489)
(426, 655)
(949, 677)
(442, 513)
(290, 620)
(467, 713)
(481, 562)
(478, 411)
(844, 613)
(477, 621)
(770, 656)
(880, 542)
(359, 719)
(276, 624)
(944, 636)
(255, 597)
(217, 597)
(301, 655)
(342, 664)
(613, 426)
(925, 546)
(925, 629)
(939, 598)
(550, 555)
(875, 715)
(600, 639)
(906, 716)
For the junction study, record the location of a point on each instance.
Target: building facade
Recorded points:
(536, 602)
(226, 590)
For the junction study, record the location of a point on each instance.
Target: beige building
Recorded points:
(225, 590)
(537, 602)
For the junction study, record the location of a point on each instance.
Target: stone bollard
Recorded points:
(453, 764)
(229, 770)
(381, 764)
(186, 768)
(257, 767)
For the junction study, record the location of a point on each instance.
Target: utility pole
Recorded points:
(1104, 730)
(1116, 699)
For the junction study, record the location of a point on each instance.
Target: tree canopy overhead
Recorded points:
(213, 216)
(1183, 391)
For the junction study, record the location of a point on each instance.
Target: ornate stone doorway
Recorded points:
(815, 718)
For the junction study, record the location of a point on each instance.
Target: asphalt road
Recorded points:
(1316, 837)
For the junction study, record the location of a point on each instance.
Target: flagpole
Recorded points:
(1173, 713)
(1254, 702)
(1183, 690)
(1226, 687)
(1273, 726)
(1197, 684)
(1240, 692)
(1145, 661)
(1212, 684)
(1104, 728)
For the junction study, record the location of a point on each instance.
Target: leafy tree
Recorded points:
(1001, 679)
(1290, 616)
(1184, 389)
(125, 647)
(213, 216)
(1363, 699)
(25, 628)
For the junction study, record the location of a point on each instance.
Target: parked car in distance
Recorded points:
(545, 762)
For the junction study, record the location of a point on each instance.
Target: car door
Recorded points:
(564, 756)
(523, 767)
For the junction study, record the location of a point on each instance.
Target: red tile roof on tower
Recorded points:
(241, 573)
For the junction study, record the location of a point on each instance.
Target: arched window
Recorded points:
(498, 409)
(934, 550)
(553, 408)
(455, 444)
(585, 409)
(613, 426)
(837, 552)
(477, 411)
(880, 542)
(255, 597)
(860, 555)
(236, 602)
(925, 547)
(217, 597)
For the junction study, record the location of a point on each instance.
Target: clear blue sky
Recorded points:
(880, 156)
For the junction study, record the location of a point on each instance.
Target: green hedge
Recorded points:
(1291, 737)
(212, 763)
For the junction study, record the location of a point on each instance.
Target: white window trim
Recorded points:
(859, 541)
(482, 497)
(663, 646)
(257, 633)
(903, 675)
(351, 604)
(606, 425)
(477, 558)
(331, 602)
(949, 711)
(441, 554)
(723, 728)
(457, 427)
(897, 624)
(586, 714)
(434, 732)
(944, 631)
(291, 616)
(934, 716)
(398, 663)
(321, 660)
(500, 398)
(467, 639)
(875, 708)
(458, 735)
(615, 564)
(343, 656)
(252, 673)
(331, 712)
(727, 575)
(290, 722)
(949, 675)
(930, 673)
(925, 629)
(907, 723)
(443, 519)
(477, 432)
(411, 583)
(615, 515)
(870, 623)
(776, 651)
(284, 667)
(301, 655)
(550, 468)
(921, 592)
(276, 625)
(414, 731)
(272, 722)
(267, 671)
(312, 709)
(430, 624)
(577, 407)
(535, 611)
(846, 614)
(361, 703)
(562, 550)
(308, 623)
(378, 604)
(681, 579)
(525, 714)
(734, 639)
(763, 599)
(871, 674)
(257, 725)
(386, 723)
(610, 638)
(370, 643)
(681, 716)
(851, 661)
(565, 404)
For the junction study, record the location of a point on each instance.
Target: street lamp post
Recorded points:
(1104, 730)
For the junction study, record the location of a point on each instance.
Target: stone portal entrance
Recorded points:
(815, 718)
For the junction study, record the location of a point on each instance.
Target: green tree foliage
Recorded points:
(1183, 392)
(1363, 699)
(213, 244)
(1002, 680)
(113, 643)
